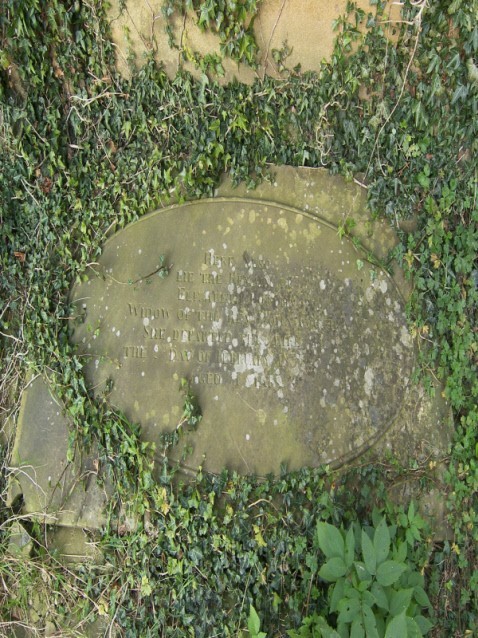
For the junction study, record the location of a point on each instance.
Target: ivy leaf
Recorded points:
(330, 540)
(389, 572)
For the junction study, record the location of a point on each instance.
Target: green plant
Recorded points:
(232, 21)
(376, 590)
(254, 624)
(192, 414)
(84, 150)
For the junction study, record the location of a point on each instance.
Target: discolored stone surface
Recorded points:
(290, 264)
(306, 27)
(295, 345)
(53, 490)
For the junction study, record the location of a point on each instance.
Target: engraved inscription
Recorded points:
(266, 314)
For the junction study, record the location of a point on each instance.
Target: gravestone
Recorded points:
(293, 343)
(302, 28)
(290, 335)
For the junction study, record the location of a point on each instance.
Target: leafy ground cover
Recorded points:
(84, 151)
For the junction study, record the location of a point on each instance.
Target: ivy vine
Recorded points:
(84, 151)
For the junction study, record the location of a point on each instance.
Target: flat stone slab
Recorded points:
(53, 489)
(306, 27)
(298, 353)
(295, 345)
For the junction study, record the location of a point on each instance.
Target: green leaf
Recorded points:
(380, 596)
(333, 569)
(400, 600)
(330, 540)
(349, 547)
(397, 627)
(357, 630)
(423, 180)
(337, 594)
(413, 629)
(348, 609)
(424, 624)
(381, 541)
(368, 553)
(253, 622)
(362, 571)
(401, 553)
(421, 596)
(389, 572)
(368, 598)
(369, 622)
(325, 630)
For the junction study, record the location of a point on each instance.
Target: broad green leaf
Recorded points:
(362, 571)
(357, 630)
(381, 599)
(352, 592)
(424, 624)
(368, 553)
(397, 627)
(401, 553)
(381, 541)
(253, 622)
(421, 596)
(348, 609)
(400, 600)
(368, 598)
(364, 585)
(349, 547)
(413, 629)
(333, 569)
(369, 622)
(389, 572)
(415, 579)
(325, 629)
(337, 594)
(330, 540)
(343, 629)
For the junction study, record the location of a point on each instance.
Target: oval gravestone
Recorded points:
(294, 345)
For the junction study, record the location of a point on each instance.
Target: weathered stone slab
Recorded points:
(424, 428)
(294, 344)
(53, 489)
(305, 26)
(288, 262)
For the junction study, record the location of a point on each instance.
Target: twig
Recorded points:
(418, 23)
(86, 100)
(272, 35)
